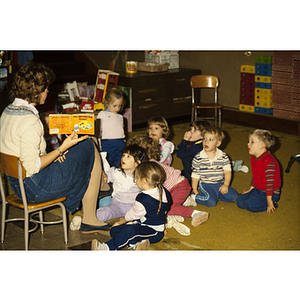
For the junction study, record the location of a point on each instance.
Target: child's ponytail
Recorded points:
(160, 188)
(155, 176)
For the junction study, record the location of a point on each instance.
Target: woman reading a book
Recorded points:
(73, 170)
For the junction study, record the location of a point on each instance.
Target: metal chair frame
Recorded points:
(208, 82)
(30, 209)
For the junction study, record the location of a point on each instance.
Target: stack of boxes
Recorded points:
(247, 88)
(163, 57)
(256, 86)
(263, 85)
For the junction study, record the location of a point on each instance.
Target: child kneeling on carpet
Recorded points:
(264, 190)
(212, 171)
(148, 213)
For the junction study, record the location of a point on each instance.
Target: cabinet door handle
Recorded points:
(148, 91)
(182, 99)
(147, 106)
(180, 79)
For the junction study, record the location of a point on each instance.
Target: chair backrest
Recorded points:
(204, 81)
(9, 165)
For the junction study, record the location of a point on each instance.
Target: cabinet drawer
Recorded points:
(143, 109)
(148, 87)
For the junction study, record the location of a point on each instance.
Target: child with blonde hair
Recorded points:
(211, 171)
(112, 127)
(148, 213)
(158, 129)
(265, 186)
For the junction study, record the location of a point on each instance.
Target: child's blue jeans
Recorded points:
(210, 194)
(255, 200)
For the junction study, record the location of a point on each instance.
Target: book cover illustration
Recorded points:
(66, 124)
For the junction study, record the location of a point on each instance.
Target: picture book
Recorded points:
(66, 123)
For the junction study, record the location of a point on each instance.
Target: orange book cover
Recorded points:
(65, 124)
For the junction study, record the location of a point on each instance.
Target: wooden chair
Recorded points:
(206, 82)
(12, 166)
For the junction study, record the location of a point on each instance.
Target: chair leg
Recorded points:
(3, 220)
(220, 117)
(41, 220)
(65, 223)
(26, 229)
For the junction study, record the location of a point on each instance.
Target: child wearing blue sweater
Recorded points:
(190, 145)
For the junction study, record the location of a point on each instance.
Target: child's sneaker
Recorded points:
(142, 245)
(244, 169)
(75, 223)
(199, 217)
(97, 246)
(190, 201)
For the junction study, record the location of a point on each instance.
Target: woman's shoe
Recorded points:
(86, 228)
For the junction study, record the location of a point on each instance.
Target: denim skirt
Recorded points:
(67, 179)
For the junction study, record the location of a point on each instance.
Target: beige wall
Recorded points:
(224, 64)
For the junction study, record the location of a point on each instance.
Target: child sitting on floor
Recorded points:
(264, 190)
(148, 213)
(158, 129)
(212, 171)
(125, 189)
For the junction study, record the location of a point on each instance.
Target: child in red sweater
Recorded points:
(264, 190)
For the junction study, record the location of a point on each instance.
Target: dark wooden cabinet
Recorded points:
(166, 94)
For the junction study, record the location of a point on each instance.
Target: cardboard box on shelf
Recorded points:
(152, 67)
(163, 57)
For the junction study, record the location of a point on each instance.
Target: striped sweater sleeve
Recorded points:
(270, 172)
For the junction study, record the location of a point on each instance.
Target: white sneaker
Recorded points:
(142, 245)
(97, 246)
(190, 201)
(244, 169)
(199, 217)
(75, 223)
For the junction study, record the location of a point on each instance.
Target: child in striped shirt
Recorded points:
(264, 190)
(211, 171)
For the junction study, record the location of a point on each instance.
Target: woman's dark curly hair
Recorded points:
(30, 81)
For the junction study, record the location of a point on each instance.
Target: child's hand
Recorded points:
(195, 191)
(104, 176)
(62, 158)
(120, 222)
(247, 191)
(187, 135)
(223, 189)
(271, 209)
